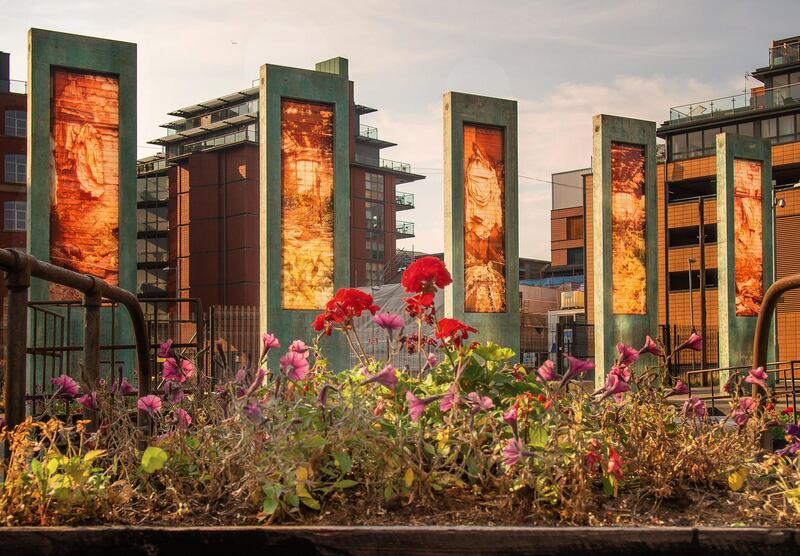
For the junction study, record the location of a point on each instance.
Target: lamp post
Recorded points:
(691, 296)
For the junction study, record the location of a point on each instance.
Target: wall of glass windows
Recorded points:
(374, 215)
(373, 186)
(16, 122)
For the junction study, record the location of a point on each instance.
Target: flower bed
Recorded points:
(470, 439)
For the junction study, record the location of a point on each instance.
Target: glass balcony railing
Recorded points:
(13, 86)
(368, 131)
(751, 101)
(248, 107)
(787, 53)
(404, 228)
(250, 133)
(404, 200)
(151, 166)
(394, 165)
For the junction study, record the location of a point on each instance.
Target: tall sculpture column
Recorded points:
(481, 215)
(304, 198)
(744, 242)
(625, 236)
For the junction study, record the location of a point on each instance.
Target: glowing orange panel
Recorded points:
(484, 220)
(84, 211)
(307, 204)
(629, 280)
(747, 223)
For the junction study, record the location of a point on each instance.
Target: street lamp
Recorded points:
(691, 297)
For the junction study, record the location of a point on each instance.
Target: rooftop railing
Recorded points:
(151, 166)
(753, 100)
(394, 165)
(242, 134)
(786, 53)
(13, 86)
(368, 131)
(404, 200)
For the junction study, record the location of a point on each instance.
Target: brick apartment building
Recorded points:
(199, 205)
(686, 185)
(13, 149)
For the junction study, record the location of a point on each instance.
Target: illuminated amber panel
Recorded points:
(307, 204)
(629, 280)
(484, 220)
(748, 259)
(84, 211)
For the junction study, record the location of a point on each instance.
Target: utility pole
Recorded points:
(702, 236)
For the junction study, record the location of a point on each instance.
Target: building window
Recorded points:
(16, 123)
(575, 227)
(373, 186)
(15, 168)
(575, 256)
(679, 146)
(374, 216)
(152, 250)
(687, 236)
(374, 274)
(769, 129)
(14, 216)
(375, 245)
(679, 281)
(786, 129)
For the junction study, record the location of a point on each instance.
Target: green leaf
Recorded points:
(36, 467)
(153, 459)
(388, 492)
(343, 461)
(608, 485)
(293, 500)
(270, 499)
(538, 437)
(52, 465)
(345, 483)
(316, 441)
(310, 502)
(93, 455)
(193, 443)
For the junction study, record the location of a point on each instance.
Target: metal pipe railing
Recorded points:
(20, 267)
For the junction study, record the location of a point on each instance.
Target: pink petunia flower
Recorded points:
(679, 389)
(164, 349)
(173, 392)
(253, 412)
(510, 417)
(299, 346)
(546, 372)
(389, 321)
(294, 364)
(694, 343)
(622, 371)
(577, 367)
(387, 377)
(269, 341)
(479, 403)
(182, 418)
(416, 406)
(89, 401)
(449, 399)
(651, 347)
(177, 372)
(694, 407)
(514, 451)
(431, 362)
(743, 410)
(627, 354)
(66, 386)
(614, 385)
(150, 403)
(757, 376)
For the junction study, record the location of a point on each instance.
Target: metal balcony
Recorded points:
(404, 201)
(404, 229)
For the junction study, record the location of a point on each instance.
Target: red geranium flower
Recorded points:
(425, 275)
(346, 304)
(453, 330)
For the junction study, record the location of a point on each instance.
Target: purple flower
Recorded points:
(510, 417)
(793, 430)
(757, 376)
(514, 451)
(89, 401)
(651, 347)
(431, 362)
(449, 398)
(694, 343)
(627, 354)
(679, 389)
(295, 364)
(173, 393)
(164, 349)
(479, 403)
(150, 403)
(65, 386)
(546, 372)
(790, 450)
(694, 407)
(416, 405)
(614, 385)
(730, 383)
(269, 341)
(253, 412)
(576, 367)
(387, 377)
(299, 346)
(126, 388)
(177, 372)
(322, 397)
(389, 321)
(182, 418)
(257, 381)
(741, 413)
(241, 376)
(622, 372)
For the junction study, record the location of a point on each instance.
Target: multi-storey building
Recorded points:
(152, 237)
(13, 149)
(567, 223)
(686, 184)
(211, 165)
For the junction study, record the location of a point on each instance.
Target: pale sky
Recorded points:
(562, 61)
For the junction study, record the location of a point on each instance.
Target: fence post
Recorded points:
(559, 348)
(91, 343)
(18, 283)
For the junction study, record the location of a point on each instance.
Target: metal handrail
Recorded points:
(765, 315)
(20, 267)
